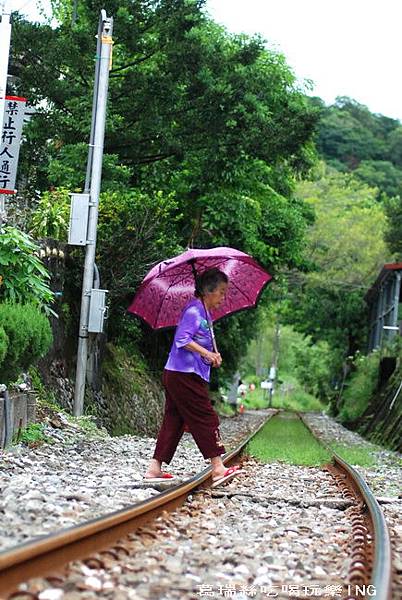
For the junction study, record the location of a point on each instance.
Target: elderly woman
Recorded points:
(185, 380)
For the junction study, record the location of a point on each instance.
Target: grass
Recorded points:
(299, 400)
(285, 439)
(355, 455)
(254, 400)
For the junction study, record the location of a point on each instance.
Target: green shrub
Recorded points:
(51, 218)
(253, 400)
(313, 364)
(360, 386)
(23, 277)
(3, 344)
(299, 400)
(33, 435)
(29, 338)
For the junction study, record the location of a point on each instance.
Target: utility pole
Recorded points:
(5, 37)
(92, 184)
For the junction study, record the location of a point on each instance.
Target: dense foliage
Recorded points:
(52, 214)
(346, 250)
(25, 336)
(361, 386)
(23, 277)
(206, 134)
(351, 138)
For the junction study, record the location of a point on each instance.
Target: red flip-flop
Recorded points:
(228, 474)
(164, 477)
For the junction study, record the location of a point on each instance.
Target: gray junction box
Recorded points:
(77, 233)
(97, 311)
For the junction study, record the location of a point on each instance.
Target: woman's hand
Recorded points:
(214, 358)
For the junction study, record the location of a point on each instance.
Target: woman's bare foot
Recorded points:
(219, 469)
(154, 469)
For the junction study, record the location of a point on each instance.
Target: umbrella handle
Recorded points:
(215, 347)
(211, 329)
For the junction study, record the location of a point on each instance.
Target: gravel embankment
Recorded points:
(82, 476)
(275, 531)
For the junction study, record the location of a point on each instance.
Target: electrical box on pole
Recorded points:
(79, 212)
(97, 311)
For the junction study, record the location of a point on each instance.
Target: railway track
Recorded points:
(371, 547)
(115, 544)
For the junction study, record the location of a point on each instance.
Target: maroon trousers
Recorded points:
(187, 403)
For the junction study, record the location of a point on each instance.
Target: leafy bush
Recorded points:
(3, 344)
(313, 366)
(299, 400)
(33, 435)
(135, 231)
(361, 386)
(23, 278)
(52, 215)
(29, 338)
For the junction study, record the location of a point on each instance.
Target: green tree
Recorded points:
(344, 137)
(136, 231)
(381, 174)
(346, 240)
(395, 146)
(349, 133)
(206, 133)
(346, 248)
(393, 234)
(182, 92)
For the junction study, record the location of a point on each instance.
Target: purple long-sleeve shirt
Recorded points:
(192, 327)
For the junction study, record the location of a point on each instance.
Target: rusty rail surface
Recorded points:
(371, 547)
(49, 553)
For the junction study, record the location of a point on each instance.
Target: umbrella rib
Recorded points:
(241, 291)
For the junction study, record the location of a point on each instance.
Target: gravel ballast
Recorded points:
(277, 529)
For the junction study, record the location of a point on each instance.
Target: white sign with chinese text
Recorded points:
(14, 110)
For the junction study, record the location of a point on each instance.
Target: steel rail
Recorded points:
(51, 552)
(381, 575)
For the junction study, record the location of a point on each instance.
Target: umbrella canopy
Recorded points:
(169, 285)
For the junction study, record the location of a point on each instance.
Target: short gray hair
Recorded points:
(209, 280)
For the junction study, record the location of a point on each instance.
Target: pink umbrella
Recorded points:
(169, 285)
